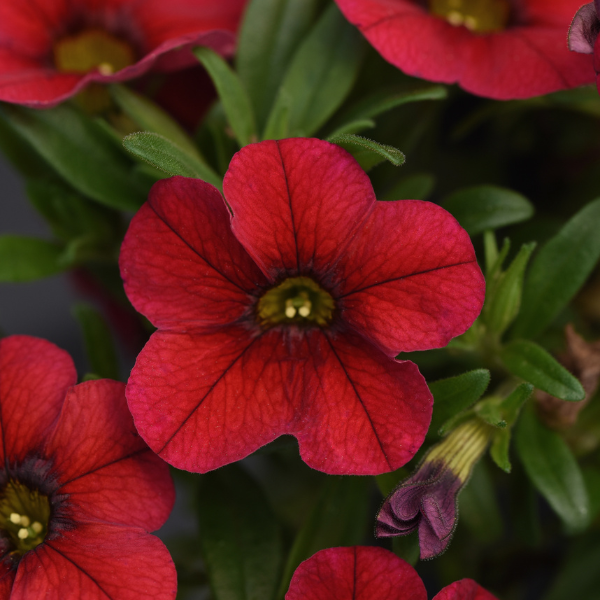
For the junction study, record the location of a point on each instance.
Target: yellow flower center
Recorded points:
(481, 16)
(299, 301)
(92, 49)
(24, 516)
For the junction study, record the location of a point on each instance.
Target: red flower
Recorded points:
(584, 34)
(501, 49)
(368, 573)
(79, 490)
(283, 318)
(51, 50)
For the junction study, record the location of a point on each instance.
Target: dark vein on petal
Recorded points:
(210, 390)
(366, 287)
(198, 253)
(49, 545)
(287, 187)
(354, 586)
(108, 464)
(358, 397)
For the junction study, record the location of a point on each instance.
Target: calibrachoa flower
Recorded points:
(79, 489)
(501, 49)
(368, 573)
(285, 317)
(584, 34)
(427, 500)
(51, 49)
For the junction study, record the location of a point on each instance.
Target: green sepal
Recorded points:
(489, 411)
(168, 157)
(494, 259)
(352, 127)
(531, 362)
(99, 345)
(558, 271)
(455, 421)
(27, 259)
(487, 207)
(367, 152)
(499, 449)
(232, 94)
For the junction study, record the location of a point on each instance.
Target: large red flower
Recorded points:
(501, 49)
(79, 489)
(51, 49)
(367, 573)
(285, 318)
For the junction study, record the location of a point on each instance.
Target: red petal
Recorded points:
(465, 589)
(410, 278)
(102, 463)
(34, 378)
(181, 265)
(296, 203)
(356, 573)
(95, 562)
(203, 401)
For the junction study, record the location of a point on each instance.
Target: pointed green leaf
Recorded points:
(512, 404)
(367, 152)
(487, 207)
(558, 271)
(166, 156)
(27, 259)
(499, 449)
(98, 341)
(353, 127)
(232, 93)
(320, 75)
(269, 35)
(453, 395)
(239, 536)
(414, 187)
(488, 410)
(552, 469)
(82, 153)
(532, 363)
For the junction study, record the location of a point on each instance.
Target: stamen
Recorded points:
(23, 534)
(479, 16)
(15, 518)
(106, 68)
(290, 311)
(25, 521)
(37, 527)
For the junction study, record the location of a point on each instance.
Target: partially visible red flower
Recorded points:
(79, 489)
(368, 573)
(501, 49)
(584, 34)
(51, 49)
(285, 318)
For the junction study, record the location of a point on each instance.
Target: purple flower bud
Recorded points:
(585, 28)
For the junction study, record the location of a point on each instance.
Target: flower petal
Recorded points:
(410, 279)
(296, 204)
(181, 265)
(97, 561)
(465, 589)
(108, 471)
(355, 573)
(34, 378)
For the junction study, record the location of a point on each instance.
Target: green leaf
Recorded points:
(269, 35)
(353, 127)
(552, 469)
(499, 449)
(166, 156)
(234, 97)
(82, 153)
(367, 152)
(455, 394)
(488, 410)
(151, 117)
(320, 75)
(98, 341)
(503, 297)
(532, 363)
(414, 187)
(340, 518)
(27, 259)
(487, 207)
(239, 536)
(407, 547)
(512, 404)
(558, 271)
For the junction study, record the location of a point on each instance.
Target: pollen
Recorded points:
(479, 16)
(106, 68)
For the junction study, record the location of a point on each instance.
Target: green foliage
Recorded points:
(487, 207)
(414, 187)
(239, 536)
(27, 259)
(367, 152)
(558, 271)
(553, 470)
(387, 482)
(532, 363)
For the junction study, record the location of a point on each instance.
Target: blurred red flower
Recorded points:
(501, 49)
(285, 318)
(369, 573)
(51, 50)
(79, 489)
